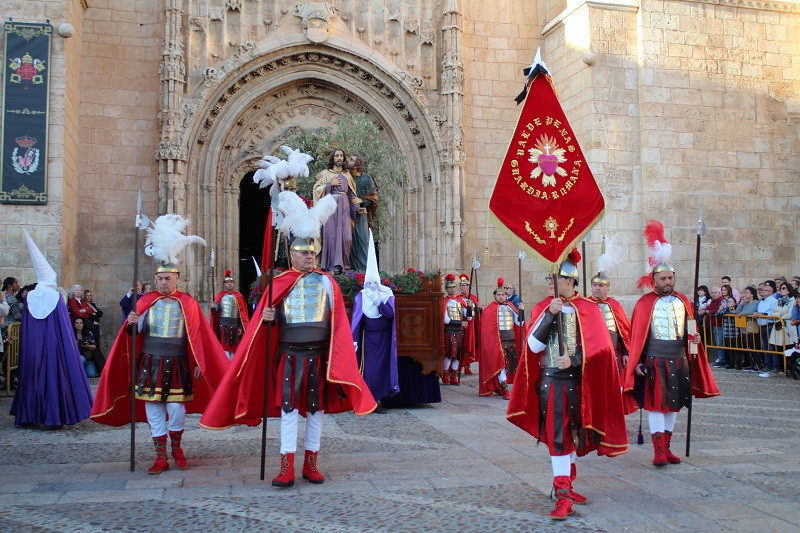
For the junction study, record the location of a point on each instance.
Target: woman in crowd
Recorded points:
(78, 308)
(748, 335)
(730, 334)
(93, 359)
(713, 316)
(727, 292)
(93, 322)
(782, 334)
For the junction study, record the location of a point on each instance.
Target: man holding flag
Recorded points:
(546, 201)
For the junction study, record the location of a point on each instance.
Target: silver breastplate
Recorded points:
(569, 336)
(505, 318)
(306, 302)
(454, 308)
(229, 306)
(608, 316)
(165, 319)
(669, 319)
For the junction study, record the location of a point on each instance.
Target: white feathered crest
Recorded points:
(301, 221)
(612, 256)
(273, 169)
(165, 239)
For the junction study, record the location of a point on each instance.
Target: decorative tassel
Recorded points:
(640, 437)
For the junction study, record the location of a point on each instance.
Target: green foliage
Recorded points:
(357, 134)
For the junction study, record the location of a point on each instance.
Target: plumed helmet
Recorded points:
(601, 277)
(449, 281)
(500, 286)
(463, 279)
(301, 244)
(228, 276)
(569, 267)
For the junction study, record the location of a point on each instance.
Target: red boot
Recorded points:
(177, 451)
(286, 475)
(574, 496)
(310, 471)
(671, 457)
(446, 377)
(161, 463)
(454, 380)
(563, 506)
(503, 391)
(467, 371)
(660, 456)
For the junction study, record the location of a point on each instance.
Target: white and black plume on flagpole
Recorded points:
(538, 66)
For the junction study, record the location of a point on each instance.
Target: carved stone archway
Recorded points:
(265, 101)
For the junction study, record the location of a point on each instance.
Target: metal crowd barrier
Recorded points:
(11, 354)
(742, 333)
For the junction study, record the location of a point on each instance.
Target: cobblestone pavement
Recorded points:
(453, 466)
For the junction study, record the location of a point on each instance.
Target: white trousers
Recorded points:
(660, 422)
(289, 431)
(450, 364)
(158, 413)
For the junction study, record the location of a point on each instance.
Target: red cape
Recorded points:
(112, 402)
(240, 396)
(492, 360)
(601, 400)
(624, 331)
(703, 384)
(242, 310)
(471, 352)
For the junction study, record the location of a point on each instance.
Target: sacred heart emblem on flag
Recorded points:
(545, 197)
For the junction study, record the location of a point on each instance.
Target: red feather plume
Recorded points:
(500, 282)
(463, 277)
(228, 273)
(574, 256)
(450, 277)
(654, 231)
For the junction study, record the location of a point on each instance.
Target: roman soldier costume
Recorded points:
(576, 409)
(229, 316)
(500, 333)
(455, 320)
(470, 342)
(313, 367)
(617, 322)
(174, 340)
(659, 351)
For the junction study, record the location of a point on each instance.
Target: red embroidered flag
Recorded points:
(545, 197)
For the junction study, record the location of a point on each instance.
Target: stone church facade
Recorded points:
(674, 102)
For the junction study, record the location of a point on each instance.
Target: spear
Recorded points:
(212, 264)
(275, 217)
(135, 296)
(521, 312)
(476, 316)
(701, 231)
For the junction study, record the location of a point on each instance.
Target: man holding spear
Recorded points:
(178, 361)
(659, 376)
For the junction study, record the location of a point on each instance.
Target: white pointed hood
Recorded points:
(43, 299)
(373, 293)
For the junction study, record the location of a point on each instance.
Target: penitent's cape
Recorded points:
(240, 396)
(492, 360)
(112, 402)
(703, 384)
(601, 399)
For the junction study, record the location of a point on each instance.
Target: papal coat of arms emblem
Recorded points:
(27, 70)
(28, 162)
(547, 156)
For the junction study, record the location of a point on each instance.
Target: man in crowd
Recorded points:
(178, 360)
(311, 352)
(499, 335)
(726, 280)
(229, 316)
(658, 377)
(566, 391)
(616, 320)
(126, 302)
(511, 295)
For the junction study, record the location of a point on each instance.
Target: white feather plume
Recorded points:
(661, 252)
(301, 221)
(612, 257)
(165, 239)
(297, 161)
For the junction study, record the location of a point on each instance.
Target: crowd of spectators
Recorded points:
(755, 330)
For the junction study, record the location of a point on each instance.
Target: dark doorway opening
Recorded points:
(253, 210)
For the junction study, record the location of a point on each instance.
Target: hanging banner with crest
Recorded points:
(545, 198)
(25, 113)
